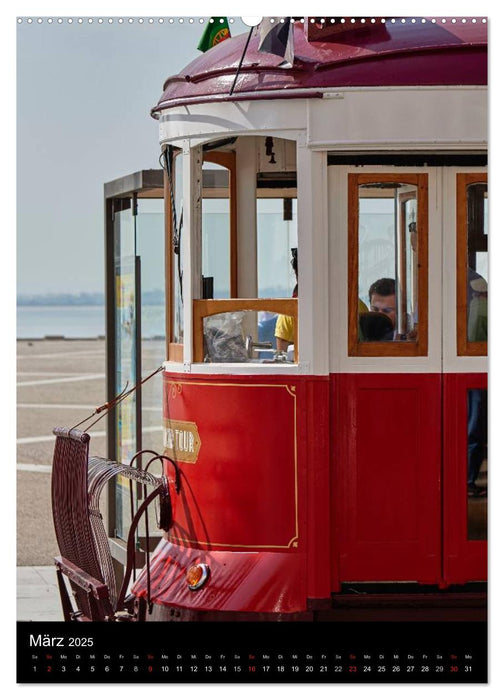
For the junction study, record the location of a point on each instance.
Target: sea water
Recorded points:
(75, 321)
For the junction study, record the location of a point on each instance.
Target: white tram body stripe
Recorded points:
(392, 117)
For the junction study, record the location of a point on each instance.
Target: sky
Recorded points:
(84, 92)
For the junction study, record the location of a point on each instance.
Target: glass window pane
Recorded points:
(276, 237)
(124, 251)
(242, 336)
(477, 262)
(126, 330)
(477, 465)
(216, 246)
(387, 262)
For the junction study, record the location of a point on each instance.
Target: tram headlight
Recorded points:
(197, 575)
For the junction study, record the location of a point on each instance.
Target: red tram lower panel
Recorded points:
(387, 477)
(295, 485)
(237, 443)
(247, 500)
(465, 547)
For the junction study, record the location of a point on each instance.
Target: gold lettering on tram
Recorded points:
(181, 441)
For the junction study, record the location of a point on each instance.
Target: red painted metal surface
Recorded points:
(243, 492)
(465, 560)
(387, 477)
(238, 581)
(317, 457)
(256, 500)
(379, 55)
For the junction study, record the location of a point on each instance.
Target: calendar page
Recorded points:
(252, 310)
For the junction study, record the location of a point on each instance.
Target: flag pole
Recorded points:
(241, 61)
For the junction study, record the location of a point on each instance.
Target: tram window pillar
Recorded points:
(313, 256)
(247, 218)
(191, 252)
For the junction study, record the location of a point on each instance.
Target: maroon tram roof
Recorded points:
(452, 53)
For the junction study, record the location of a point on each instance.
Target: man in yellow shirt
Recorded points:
(284, 329)
(284, 332)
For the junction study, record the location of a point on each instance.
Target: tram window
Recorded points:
(216, 230)
(276, 237)
(239, 334)
(477, 465)
(472, 264)
(387, 258)
(254, 256)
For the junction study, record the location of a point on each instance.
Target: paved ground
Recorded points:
(60, 382)
(37, 594)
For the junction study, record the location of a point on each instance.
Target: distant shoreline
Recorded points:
(61, 300)
(58, 337)
(72, 338)
(153, 297)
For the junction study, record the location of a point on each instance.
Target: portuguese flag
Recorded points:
(216, 31)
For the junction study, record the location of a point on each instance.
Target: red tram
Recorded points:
(329, 477)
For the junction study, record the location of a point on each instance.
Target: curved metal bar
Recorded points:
(178, 482)
(130, 547)
(141, 452)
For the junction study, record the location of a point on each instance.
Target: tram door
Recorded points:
(409, 373)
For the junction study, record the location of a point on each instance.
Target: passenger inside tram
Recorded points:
(477, 421)
(477, 315)
(379, 323)
(382, 298)
(284, 328)
(476, 303)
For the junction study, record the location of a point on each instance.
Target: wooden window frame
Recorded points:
(210, 307)
(415, 348)
(464, 346)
